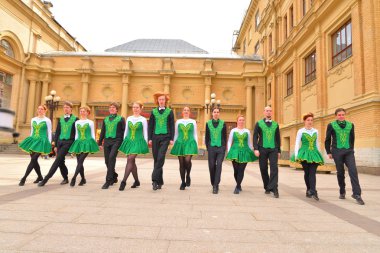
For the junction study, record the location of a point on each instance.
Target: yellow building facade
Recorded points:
(319, 55)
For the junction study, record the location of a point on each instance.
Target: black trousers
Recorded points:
(239, 169)
(346, 157)
(215, 160)
(270, 182)
(111, 149)
(62, 150)
(160, 144)
(310, 171)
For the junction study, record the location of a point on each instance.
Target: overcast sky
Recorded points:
(98, 25)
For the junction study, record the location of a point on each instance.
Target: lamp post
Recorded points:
(211, 103)
(52, 102)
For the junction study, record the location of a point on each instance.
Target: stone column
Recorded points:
(124, 98)
(167, 84)
(30, 110)
(249, 110)
(85, 81)
(45, 90)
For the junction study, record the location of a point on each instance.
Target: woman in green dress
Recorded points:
(306, 152)
(135, 143)
(185, 145)
(240, 151)
(84, 143)
(39, 142)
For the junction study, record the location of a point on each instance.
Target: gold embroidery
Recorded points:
(311, 140)
(241, 138)
(185, 130)
(37, 128)
(82, 130)
(133, 129)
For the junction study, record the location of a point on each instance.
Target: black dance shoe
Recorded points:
(215, 190)
(122, 185)
(155, 186)
(106, 185)
(315, 196)
(308, 194)
(188, 181)
(82, 182)
(22, 182)
(267, 191)
(159, 186)
(64, 181)
(72, 183)
(358, 199)
(135, 184)
(276, 194)
(38, 180)
(236, 191)
(183, 186)
(43, 182)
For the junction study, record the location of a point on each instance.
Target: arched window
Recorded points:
(8, 48)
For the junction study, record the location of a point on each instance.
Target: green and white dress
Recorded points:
(84, 138)
(135, 136)
(185, 138)
(306, 147)
(39, 140)
(240, 146)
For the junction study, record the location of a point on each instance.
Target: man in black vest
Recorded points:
(64, 137)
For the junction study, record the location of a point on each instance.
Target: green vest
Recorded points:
(161, 126)
(111, 126)
(342, 134)
(215, 133)
(66, 127)
(268, 133)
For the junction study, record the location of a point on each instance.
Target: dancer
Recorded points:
(135, 143)
(160, 135)
(239, 150)
(39, 142)
(306, 152)
(185, 145)
(63, 139)
(112, 133)
(215, 138)
(267, 143)
(339, 145)
(84, 143)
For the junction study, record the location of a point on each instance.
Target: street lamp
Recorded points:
(212, 103)
(52, 102)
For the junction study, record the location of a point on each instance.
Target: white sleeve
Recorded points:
(298, 141)
(126, 128)
(317, 140)
(195, 132)
(76, 129)
(48, 123)
(176, 130)
(145, 128)
(249, 140)
(31, 127)
(92, 129)
(230, 139)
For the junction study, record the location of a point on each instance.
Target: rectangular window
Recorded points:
(291, 17)
(303, 8)
(289, 83)
(310, 68)
(257, 19)
(286, 26)
(270, 44)
(257, 47)
(341, 42)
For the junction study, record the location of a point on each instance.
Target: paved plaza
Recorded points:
(86, 218)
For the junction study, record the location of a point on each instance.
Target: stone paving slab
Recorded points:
(59, 218)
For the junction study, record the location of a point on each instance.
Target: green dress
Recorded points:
(185, 143)
(308, 151)
(38, 141)
(134, 141)
(84, 138)
(240, 151)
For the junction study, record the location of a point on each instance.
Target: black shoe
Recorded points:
(106, 185)
(239, 188)
(65, 181)
(72, 183)
(22, 182)
(122, 185)
(159, 186)
(43, 182)
(315, 196)
(358, 199)
(275, 194)
(215, 190)
(188, 181)
(342, 196)
(38, 180)
(155, 186)
(267, 191)
(236, 191)
(308, 194)
(82, 182)
(183, 186)
(135, 184)
(115, 175)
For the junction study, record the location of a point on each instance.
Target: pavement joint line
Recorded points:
(370, 225)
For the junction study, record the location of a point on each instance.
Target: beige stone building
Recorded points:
(319, 55)
(295, 55)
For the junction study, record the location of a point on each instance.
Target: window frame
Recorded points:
(310, 67)
(338, 56)
(289, 83)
